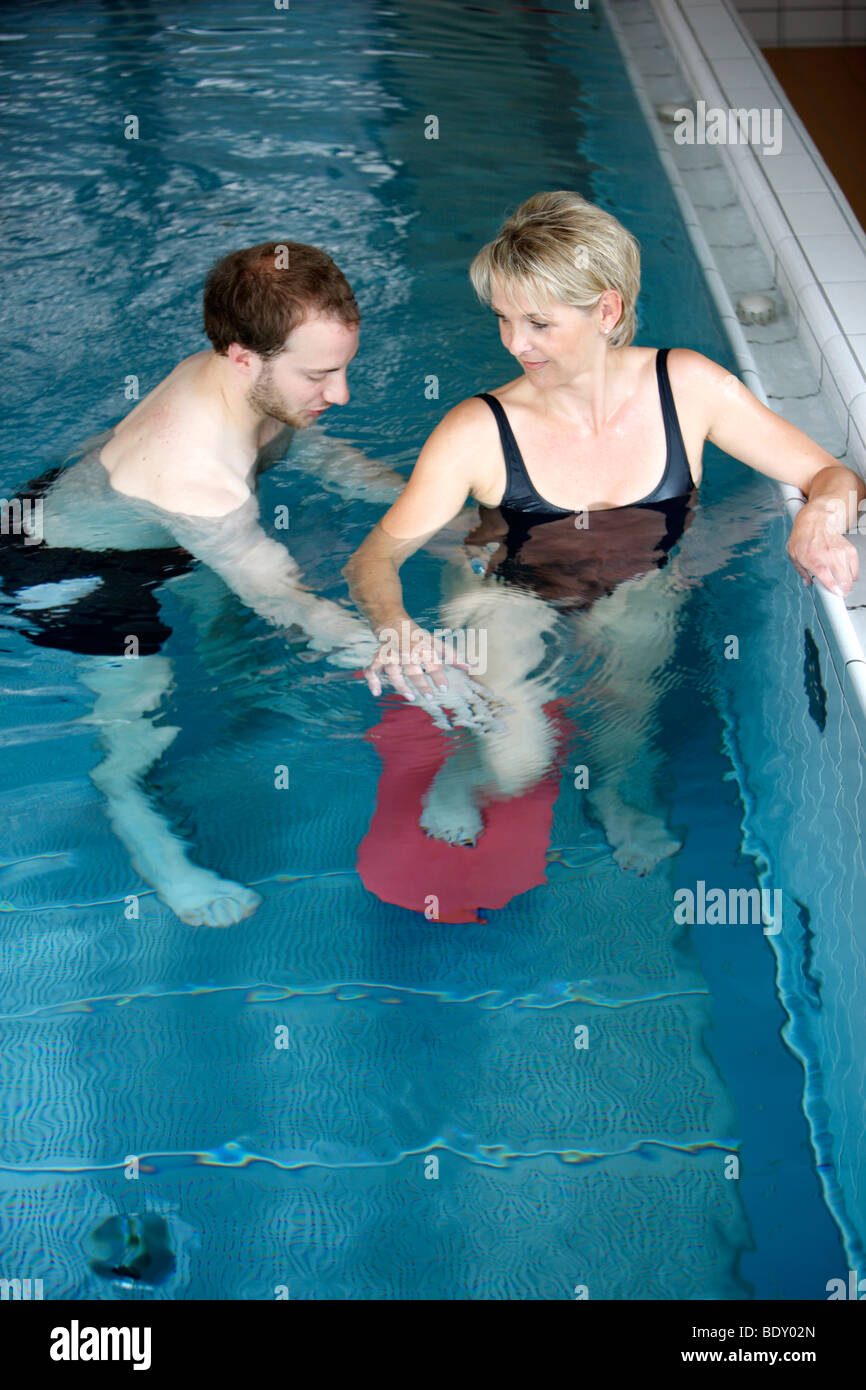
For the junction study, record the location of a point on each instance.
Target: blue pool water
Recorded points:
(302, 1167)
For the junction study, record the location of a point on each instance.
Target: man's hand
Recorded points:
(818, 548)
(331, 629)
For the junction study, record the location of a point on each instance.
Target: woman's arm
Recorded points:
(445, 474)
(817, 545)
(737, 422)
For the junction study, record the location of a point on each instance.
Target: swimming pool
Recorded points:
(558, 1166)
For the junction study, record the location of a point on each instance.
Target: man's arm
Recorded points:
(273, 441)
(268, 580)
(344, 469)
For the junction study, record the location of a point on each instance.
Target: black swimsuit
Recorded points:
(574, 558)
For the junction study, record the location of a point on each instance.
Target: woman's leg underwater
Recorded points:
(632, 632)
(507, 627)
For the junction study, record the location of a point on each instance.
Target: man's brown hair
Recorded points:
(255, 297)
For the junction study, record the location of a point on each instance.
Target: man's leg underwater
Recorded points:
(128, 690)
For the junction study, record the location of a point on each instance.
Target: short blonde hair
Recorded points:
(559, 246)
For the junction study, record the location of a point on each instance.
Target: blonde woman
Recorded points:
(585, 469)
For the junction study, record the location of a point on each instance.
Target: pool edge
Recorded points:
(839, 362)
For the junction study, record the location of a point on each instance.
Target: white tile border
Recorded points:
(837, 357)
(854, 691)
(792, 220)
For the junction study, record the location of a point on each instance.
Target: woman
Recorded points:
(585, 468)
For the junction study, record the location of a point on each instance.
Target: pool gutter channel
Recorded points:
(832, 412)
(832, 358)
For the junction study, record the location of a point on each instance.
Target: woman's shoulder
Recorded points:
(471, 416)
(679, 362)
(698, 383)
(692, 366)
(463, 447)
(683, 358)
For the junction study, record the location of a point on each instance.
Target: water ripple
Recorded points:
(555, 996)
(563, 858)
(235, 1155)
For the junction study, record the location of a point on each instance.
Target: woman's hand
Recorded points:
(817, 547)
(418, 664)
(410, 659)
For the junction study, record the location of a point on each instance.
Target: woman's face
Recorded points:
(554, 342)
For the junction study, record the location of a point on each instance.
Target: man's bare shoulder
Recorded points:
(183, 482)
(167, 451)
(172, 411)
(184, 498)
(168, 397)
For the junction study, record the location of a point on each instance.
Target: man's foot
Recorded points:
(638, 841)
(203, 899)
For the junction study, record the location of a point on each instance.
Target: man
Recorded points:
(284, 327)
(174, 482)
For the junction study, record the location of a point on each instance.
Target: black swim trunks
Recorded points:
(121, 603)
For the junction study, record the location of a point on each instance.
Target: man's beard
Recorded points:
(265, 397)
